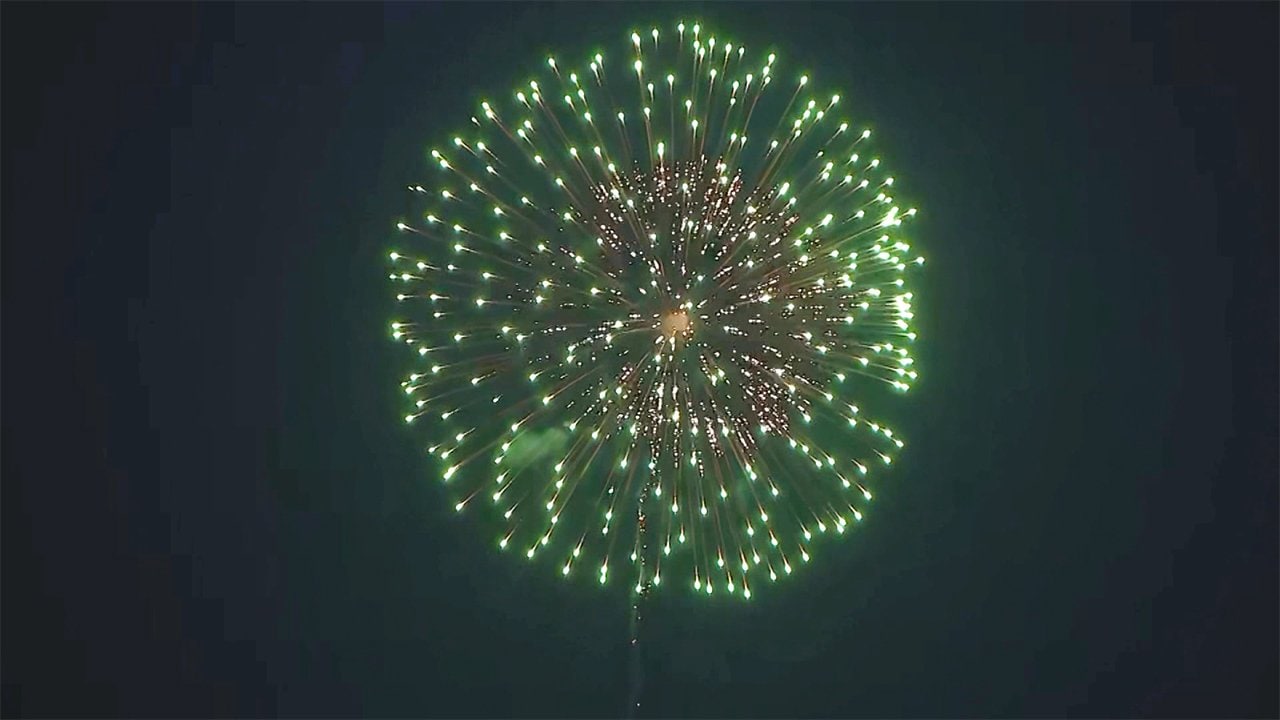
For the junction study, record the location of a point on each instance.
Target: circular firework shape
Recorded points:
(644, 299)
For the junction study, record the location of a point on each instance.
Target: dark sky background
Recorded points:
(210, 507)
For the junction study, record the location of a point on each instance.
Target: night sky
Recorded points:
(212, 508)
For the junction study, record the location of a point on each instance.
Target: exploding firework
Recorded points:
(644, 300)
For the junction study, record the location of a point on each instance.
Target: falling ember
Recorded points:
(648, 297)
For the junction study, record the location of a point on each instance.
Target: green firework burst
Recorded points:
(644, 299)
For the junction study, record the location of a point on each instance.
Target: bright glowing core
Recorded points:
(676, 323)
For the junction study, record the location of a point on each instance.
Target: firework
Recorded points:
(644, 298)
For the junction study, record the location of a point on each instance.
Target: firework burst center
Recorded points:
(676, 323)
